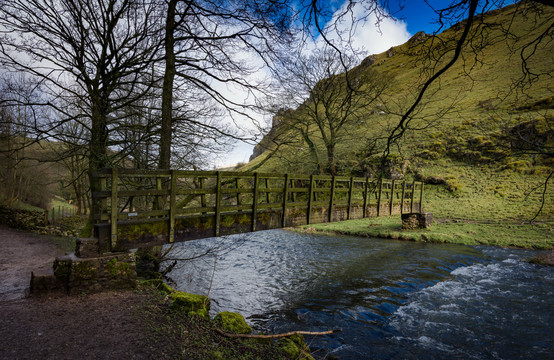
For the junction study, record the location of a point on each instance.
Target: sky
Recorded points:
(372, 40)
(414, 16)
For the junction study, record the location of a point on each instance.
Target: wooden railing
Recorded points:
(149, 207)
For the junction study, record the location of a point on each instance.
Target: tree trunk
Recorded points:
(167, 90)
(98, 158)
(331, 160)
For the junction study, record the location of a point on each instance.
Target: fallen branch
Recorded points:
(276, 335)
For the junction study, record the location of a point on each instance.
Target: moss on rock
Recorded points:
(118, 269)
(232, 323)
(191, 304)
(295, 346)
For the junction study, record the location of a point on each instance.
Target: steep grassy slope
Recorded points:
(467, 139)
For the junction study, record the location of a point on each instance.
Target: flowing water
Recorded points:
(392, 299)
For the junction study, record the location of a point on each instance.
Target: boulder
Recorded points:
(190, 304)
(231, 322)
(295, 346)
(412, 221)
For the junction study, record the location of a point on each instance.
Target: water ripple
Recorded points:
(393, 299)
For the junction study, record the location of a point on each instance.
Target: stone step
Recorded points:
(44, 281)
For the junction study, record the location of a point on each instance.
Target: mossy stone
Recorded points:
(233, 323)
(191, 304)
(118, 269)
(289, 347)
(295, 346)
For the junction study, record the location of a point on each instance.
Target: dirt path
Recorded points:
(20, 254)
(109, 325)
(97, 326)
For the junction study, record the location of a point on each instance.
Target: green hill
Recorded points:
(483, 138)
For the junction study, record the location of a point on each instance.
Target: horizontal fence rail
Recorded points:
(152, 207)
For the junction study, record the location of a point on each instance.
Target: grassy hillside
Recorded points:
(468, 138)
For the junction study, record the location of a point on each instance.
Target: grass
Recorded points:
(489, 186)
(24, 206)
(500, 233)
(491, 209)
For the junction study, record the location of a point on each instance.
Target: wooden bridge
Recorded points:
(138, 208)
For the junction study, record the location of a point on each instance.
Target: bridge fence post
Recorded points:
(311, 194)
(332, 199)
(255, 201)
(114, 209)
(267, 198)
(158, 203)
(366, 189)
(392, 188)
(285, 199)
(421, 199)
(412, 197)
(203, 202)
(172, 205)
(237, 185)
(379, 197)
(402, 199)
(351, 188)
(293, 186)
(218, 203)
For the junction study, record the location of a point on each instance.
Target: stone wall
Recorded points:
(76, 275)
(22, 219)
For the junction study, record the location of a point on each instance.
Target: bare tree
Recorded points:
(19, 161)
(206, 47)
(329, 102)
(94, 51)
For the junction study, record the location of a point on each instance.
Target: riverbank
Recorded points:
(115, 325)
(137, 324)
(504, 233)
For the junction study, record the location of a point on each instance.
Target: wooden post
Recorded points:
(311, 194)
(203, 195)
(379, 197)
(218, 203)
(255, 201)
(332, 199)
(45, 217)
(391, 197)
(172, 206)
(114, 209)
(294, 192)
(402, 199)
(285, 199)
(53, 215)
(421, 199)
(350, 198)
(366, 189)
(267, 192)
(158, 201)
(412, 199)
(237, 185)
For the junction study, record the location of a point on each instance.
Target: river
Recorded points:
(392, 299)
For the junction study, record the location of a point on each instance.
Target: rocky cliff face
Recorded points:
(276, 122)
